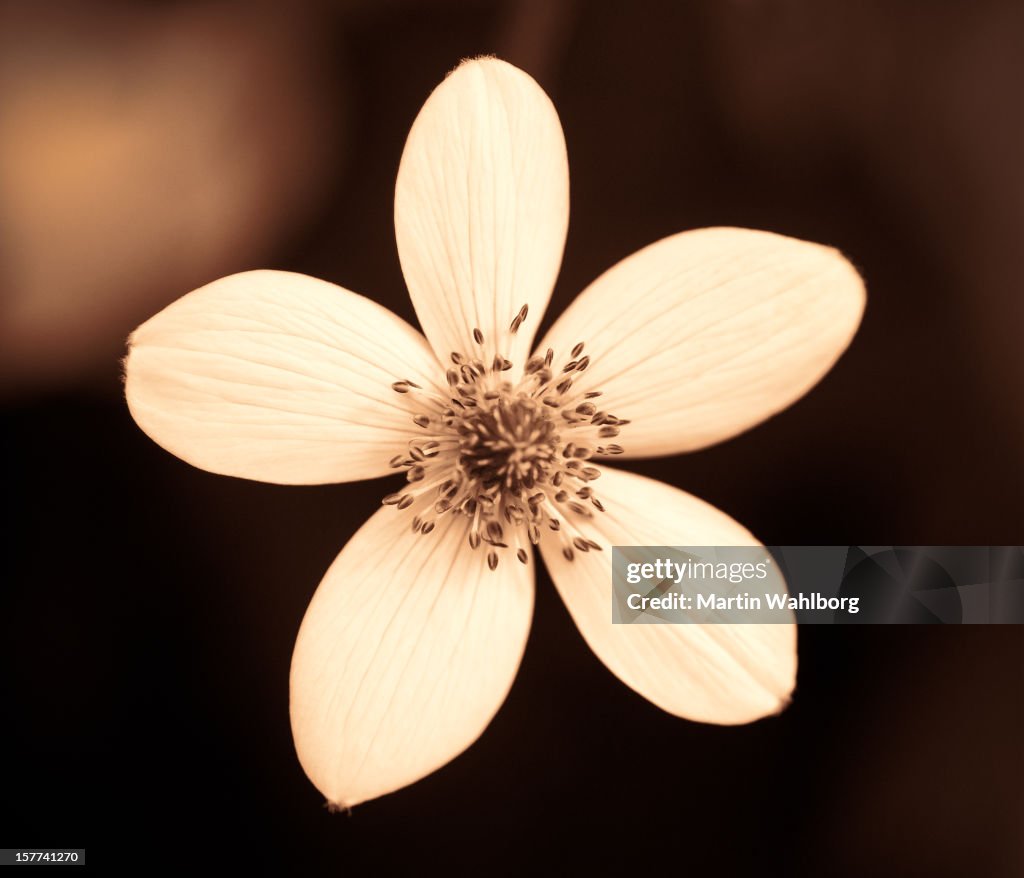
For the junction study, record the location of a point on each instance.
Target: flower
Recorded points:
(413, 637)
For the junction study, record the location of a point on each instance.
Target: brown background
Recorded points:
(149, 609)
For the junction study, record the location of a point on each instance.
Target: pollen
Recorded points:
(512, 457)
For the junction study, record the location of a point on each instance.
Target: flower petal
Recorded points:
(278, 377)
(406, 652)
(702, 335)
(712, 673)
(482, 208)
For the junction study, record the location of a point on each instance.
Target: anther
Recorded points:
(518, 319)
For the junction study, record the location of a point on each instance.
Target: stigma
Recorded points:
(511, 456)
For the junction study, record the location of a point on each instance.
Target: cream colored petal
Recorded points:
(702, 335)
(481, 208)
(712, 673)
(406, 652)
(278, 377)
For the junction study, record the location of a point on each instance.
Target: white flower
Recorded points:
(412, 640)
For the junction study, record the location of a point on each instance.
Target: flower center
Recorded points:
(512, 458)
(508, 445)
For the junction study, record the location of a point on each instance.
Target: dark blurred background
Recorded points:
(149, 609)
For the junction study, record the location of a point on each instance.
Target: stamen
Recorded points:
(512, 457)
(519, 318)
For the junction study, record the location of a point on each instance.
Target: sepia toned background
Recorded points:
(149, 609)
